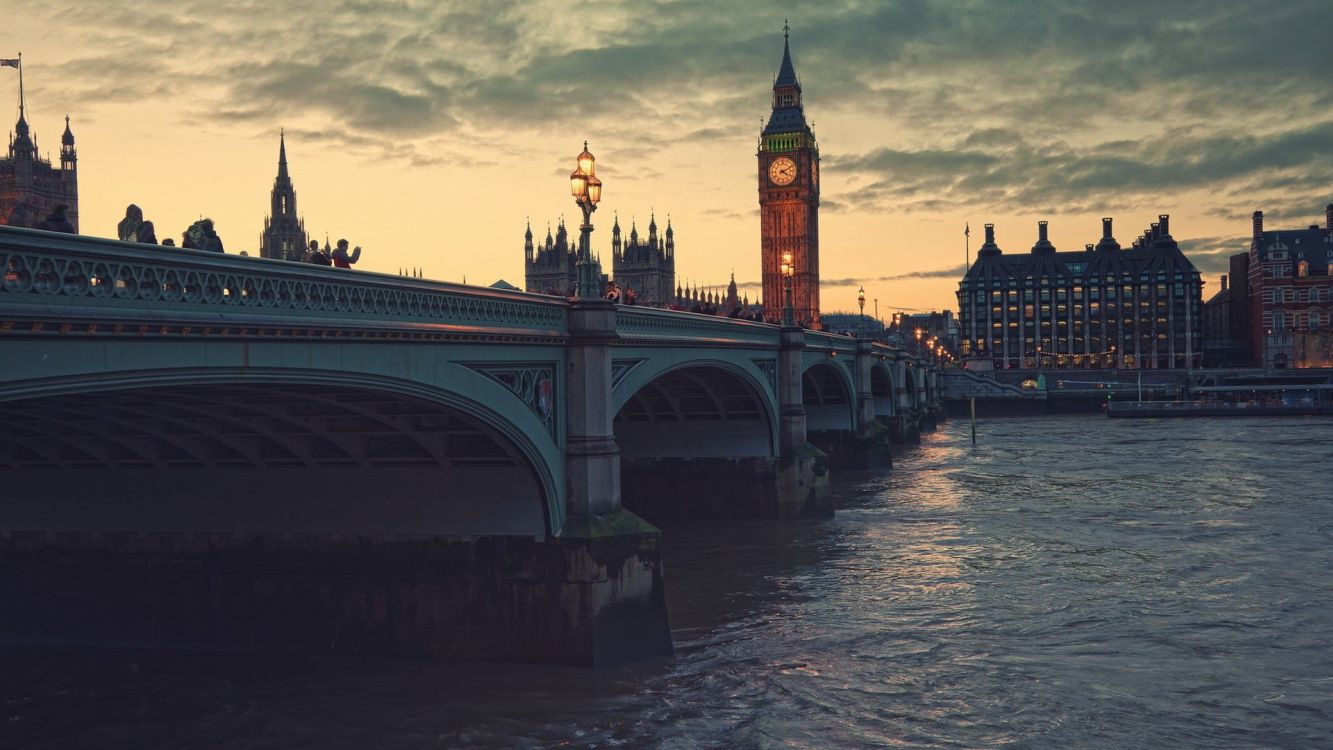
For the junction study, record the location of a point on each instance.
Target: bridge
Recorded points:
(219, 450)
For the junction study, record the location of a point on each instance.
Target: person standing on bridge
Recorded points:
(341, 258)
(57, 221)
(317, 256)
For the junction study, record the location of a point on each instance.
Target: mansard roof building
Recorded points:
(1103, 306)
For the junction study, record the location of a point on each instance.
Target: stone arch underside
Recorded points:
(695, 411)
(881, 389)
(255, 457)
(827, 398)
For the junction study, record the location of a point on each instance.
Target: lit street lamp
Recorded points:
(788, 305)
(587, 191)
(861, 302)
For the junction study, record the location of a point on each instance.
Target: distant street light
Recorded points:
(861, 302)
(788, 304)
(587, 191)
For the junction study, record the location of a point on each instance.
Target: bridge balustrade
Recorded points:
(643, 322)
(90, 277)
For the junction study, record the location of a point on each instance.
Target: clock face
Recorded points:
(782, 171)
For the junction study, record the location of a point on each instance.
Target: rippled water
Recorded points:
(1068, 583)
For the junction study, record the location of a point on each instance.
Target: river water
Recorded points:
(1067, 583)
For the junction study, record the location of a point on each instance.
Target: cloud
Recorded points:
(1211, 255)
(1050, 107)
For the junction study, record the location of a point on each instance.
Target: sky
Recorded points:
(430, 131)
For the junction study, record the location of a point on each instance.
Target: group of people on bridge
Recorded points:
(200, 235)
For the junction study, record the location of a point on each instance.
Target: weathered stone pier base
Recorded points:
(849, 451)
(669, 489)
(593, 596)
(904, 430)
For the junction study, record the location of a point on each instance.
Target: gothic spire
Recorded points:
(787, 71)
(67, 139)
(282, 155)
(788, 114)
(22, 147)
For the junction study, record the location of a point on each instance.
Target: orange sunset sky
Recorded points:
(428, 132)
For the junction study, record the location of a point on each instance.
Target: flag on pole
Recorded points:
(9, 63)
(967, 231)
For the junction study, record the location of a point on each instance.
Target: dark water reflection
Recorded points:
(1069, 583)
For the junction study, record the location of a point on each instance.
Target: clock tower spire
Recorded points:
(789, 198)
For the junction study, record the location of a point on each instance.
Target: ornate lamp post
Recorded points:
(788, 305)
(587, 191)
(861, 302)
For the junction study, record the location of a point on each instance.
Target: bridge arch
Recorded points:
(910, 389)
(883, 390)
(658, 411)
(828, 395)
(275, 450)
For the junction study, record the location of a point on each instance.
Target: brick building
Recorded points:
(1291, 294)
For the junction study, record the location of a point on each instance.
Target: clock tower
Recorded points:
(789, 199)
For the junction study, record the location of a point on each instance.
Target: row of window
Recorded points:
(1282, 294)
(1062, 309)
(1110, 280)
(1280, 321)
(1125, 361)
(1077, 293)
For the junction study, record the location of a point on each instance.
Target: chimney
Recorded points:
(1154, 231)
(1106, 228)
(1041, 232)
(1224, 282)
(1088, 247)
(990, 233)
(1328, 216)
(1258, 224)
(1164, 223)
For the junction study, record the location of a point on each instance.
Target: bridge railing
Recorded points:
(651, 323)
(79, 277)
(826, 341)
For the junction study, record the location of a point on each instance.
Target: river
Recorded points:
(1067, 583)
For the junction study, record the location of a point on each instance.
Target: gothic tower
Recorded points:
(284, 236)
(30, 186)
(789, 199)
(649, 268)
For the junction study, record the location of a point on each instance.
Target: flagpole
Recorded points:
(967, 248)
